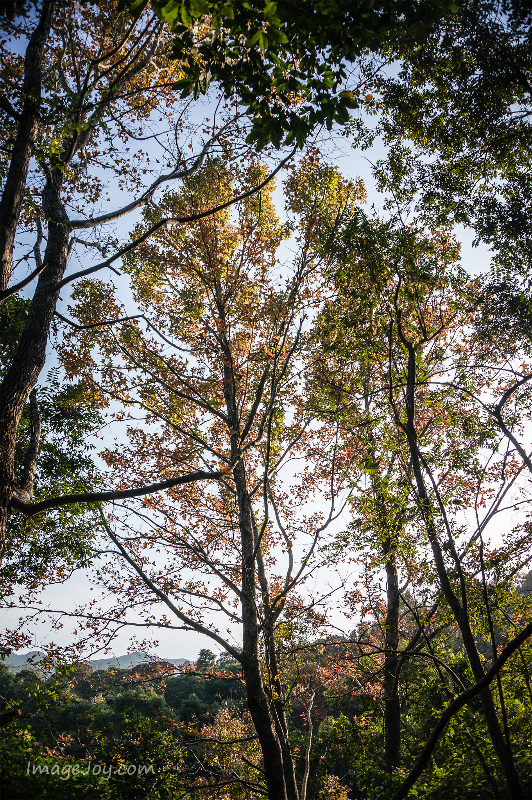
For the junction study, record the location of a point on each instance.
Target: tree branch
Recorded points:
(21, 284)
(174, 174)
(170, 220)
(118, 494)
(454, 707)
(166, 600)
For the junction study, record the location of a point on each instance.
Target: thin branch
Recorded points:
(175, 174)
(166, 600)
(6, 106)
(172, 220)
(97, 324)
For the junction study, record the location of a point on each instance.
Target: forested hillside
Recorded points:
(191, 729)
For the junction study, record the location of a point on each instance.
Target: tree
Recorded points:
(458, 118)
(206, 660)
(214, 368)
(72, 739)
(89, 79)
(292, 66)
(399, 341)
(26, 120)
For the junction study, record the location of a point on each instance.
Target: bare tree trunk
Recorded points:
(280, 722)
(392, 662)
(269, 728)
(28, 124)
(304, 782)
(257, 699)
(264, 725)
(500, 745)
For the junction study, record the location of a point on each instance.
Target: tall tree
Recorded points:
(407, 314)
(214, 368)
(90, 79)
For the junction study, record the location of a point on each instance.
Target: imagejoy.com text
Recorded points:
(104, 771)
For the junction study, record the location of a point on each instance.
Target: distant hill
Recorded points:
(17, 662)
(132, 660)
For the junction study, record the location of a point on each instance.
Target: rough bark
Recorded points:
(29, 358)
(28, 125)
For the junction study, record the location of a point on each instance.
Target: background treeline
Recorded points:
(193, 728)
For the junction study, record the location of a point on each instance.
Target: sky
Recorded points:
(176, 644)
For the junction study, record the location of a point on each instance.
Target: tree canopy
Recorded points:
(292, 65)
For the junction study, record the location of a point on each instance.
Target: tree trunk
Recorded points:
(392, 702)
(504, 753)
(257, 699)
(15, 183)
(392, 664)
(22, 375)
(500, 745)
(280, 722)
(268, 728)
(274, 769)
